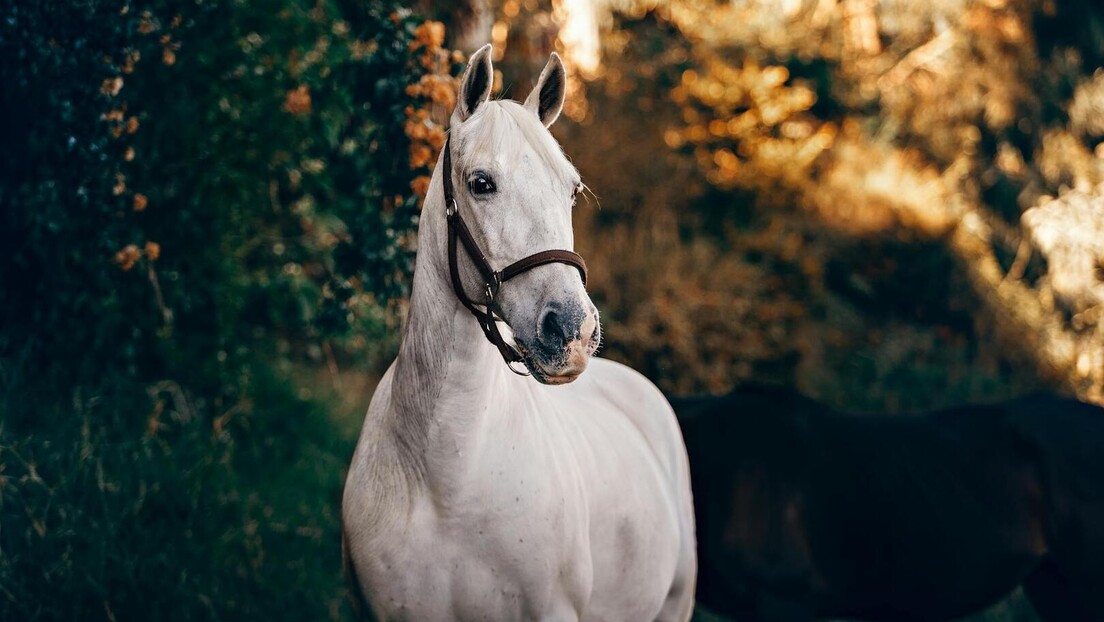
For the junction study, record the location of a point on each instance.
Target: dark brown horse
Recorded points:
(806, 512)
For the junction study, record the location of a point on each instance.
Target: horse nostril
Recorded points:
(551, 326)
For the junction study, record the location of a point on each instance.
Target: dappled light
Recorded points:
(928, 124)
(210, 213)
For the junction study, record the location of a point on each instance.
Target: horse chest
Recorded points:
(501, 550)
(521, 539)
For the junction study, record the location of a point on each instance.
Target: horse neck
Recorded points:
(446, 374)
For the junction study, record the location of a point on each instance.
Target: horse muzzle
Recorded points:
(566, 339)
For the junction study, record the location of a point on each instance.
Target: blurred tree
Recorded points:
(936, 121)
(468, 22)
(222, 173)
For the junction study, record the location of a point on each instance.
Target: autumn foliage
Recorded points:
(884, 204)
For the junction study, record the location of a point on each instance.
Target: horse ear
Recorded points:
(475, 85)
(546, 99)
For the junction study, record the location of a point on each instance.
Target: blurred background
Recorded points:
(208, 209)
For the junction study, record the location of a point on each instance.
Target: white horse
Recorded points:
(479, 494)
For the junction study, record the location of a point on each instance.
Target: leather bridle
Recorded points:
(492, 279)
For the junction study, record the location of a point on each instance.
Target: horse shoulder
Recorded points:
(377, 490)
(641, 404)
(644, 406)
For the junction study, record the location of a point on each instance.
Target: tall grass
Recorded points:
(147, 503)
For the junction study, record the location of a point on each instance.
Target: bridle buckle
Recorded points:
(523, 372)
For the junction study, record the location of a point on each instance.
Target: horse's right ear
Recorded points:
(475, 85)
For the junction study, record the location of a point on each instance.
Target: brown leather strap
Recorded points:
(541, 258)
(459, 228)
(492, 279)
(456, 226)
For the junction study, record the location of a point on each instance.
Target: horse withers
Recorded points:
(476, 493)
(807, 512)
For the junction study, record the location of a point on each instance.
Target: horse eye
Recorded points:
(481, 184)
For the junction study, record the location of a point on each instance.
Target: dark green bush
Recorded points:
(259, 145)
(194, 194)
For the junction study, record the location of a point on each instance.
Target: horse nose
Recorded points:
(558, 325)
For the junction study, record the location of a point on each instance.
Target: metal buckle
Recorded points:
(493, 287)
(450, 208)
(523, 372)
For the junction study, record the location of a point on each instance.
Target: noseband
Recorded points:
(492, 279)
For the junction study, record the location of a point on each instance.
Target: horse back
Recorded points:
(1066, 438)
(858, 514)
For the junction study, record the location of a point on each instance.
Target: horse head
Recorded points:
(512, 192)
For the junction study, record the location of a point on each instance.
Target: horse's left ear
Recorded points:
(547, 98)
